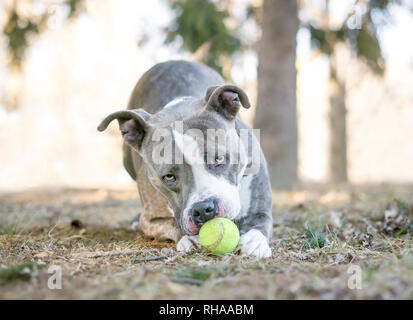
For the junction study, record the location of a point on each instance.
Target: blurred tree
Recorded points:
(201, 27)
(19, 29)
(359, 32)
(276, 114)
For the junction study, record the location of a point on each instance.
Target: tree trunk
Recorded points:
(338, 127)
(14, 86)
(276, 114)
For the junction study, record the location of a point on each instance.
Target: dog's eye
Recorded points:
(169, 178)
(219, 160)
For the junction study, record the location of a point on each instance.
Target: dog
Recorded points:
(186, 173)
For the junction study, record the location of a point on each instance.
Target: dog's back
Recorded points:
(169, 80)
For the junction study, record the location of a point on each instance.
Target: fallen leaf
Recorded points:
(43, 254)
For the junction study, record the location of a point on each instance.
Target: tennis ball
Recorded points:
(219, 236)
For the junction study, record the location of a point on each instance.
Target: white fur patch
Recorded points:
(187, 244)
(245, 194)
(207, 184)
(254, 243)
(175, 101)
(243, 155)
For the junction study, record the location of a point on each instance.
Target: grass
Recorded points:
(192, 275)
(317, 236)
(22, 271)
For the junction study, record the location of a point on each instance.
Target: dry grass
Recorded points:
(317, 236)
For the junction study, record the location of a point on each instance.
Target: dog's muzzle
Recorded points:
(204, 210)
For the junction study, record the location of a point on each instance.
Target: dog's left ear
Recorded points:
(226, 100)
(134, 125)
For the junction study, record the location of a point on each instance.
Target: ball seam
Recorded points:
(221, 236)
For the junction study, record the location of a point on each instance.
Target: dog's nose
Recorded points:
(204, 210)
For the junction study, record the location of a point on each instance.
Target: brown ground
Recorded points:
(368, 227)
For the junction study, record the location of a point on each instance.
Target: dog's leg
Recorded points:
(254, 243)
(157, 219)
(188, 244)
(255, 235)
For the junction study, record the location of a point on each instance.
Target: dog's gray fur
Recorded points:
(196, 95)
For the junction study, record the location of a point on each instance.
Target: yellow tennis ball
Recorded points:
(219, 236)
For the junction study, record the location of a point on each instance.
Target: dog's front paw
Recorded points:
(254, 243)
(187, 244)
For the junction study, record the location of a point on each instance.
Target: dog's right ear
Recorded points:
(133, 125)
(226, 100)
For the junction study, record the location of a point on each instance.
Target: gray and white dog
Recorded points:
(186, 175)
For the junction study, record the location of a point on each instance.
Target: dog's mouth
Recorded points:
(191, 227)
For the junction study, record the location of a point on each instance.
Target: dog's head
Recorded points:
(197, 163)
